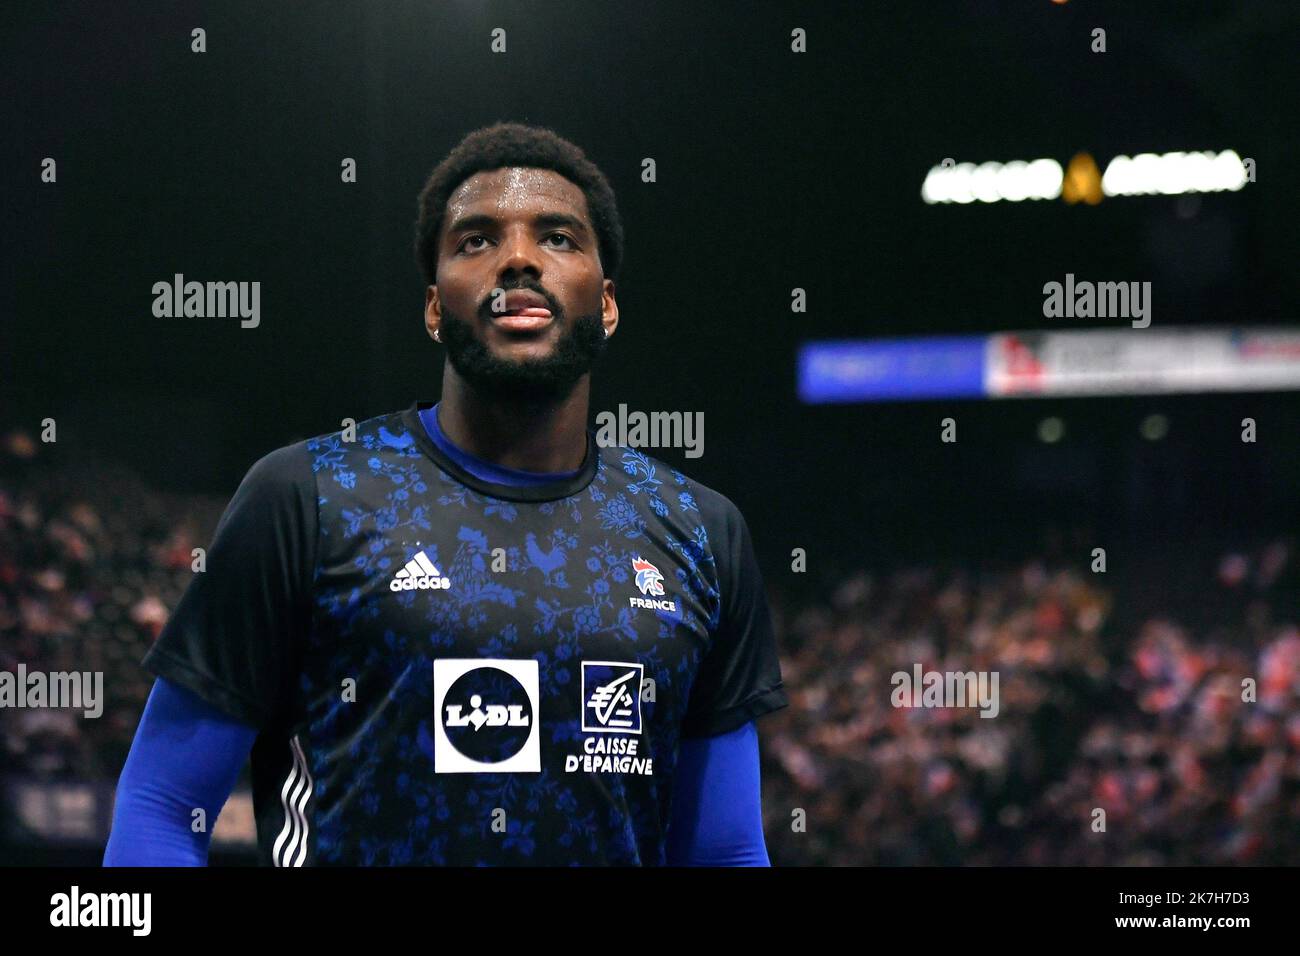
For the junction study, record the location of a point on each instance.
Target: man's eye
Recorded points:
(555, 235)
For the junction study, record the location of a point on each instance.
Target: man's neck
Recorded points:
(526, 436)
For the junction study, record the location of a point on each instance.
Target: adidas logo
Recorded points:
(418, 575)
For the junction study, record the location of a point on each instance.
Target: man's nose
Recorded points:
(519, 253)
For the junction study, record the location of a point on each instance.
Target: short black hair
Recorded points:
(514, 144)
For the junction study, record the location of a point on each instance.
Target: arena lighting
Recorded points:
(1051, 430)
(1172, 174)
(1154, 427)
(991, 182)
(1146, 174)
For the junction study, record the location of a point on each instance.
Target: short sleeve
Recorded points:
(740, 675)
(234, 634)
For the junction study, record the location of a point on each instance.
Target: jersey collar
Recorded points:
(550, 491)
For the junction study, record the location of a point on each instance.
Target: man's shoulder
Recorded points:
(663, 480)
(284, 465)
(296, 462)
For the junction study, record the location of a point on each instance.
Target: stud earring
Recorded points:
(437, 335)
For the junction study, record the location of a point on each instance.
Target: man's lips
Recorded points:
(523, 320)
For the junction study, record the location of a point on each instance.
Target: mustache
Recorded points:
(485, 309)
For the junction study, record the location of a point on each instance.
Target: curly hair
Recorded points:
(514, 144)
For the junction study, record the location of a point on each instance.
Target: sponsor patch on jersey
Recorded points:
(611, 707)
(486, 716)
(611, 697)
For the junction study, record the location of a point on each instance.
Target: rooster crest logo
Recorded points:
(648, 578)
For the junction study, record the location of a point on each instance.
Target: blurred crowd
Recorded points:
(1166, 735)
(1172, 738)
(91, 561)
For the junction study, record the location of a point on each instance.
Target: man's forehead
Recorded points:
(517, 187)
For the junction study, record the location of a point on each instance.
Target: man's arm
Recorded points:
(225, 663)
(186, 755)
(717, 817)
(717, 814)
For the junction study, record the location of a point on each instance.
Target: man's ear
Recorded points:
(609, 309)
(432, 312)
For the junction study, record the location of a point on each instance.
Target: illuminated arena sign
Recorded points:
(1146, 174)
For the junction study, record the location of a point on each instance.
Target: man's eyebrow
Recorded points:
(482, 220)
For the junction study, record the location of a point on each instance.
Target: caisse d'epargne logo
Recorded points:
(611, 713)
(611, 697)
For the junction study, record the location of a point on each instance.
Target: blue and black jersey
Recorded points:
(448, 669)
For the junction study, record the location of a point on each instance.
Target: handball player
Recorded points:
(466, 632)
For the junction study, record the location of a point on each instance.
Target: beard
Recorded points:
(548, 379)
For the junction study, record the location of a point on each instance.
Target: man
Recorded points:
(466, 634)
